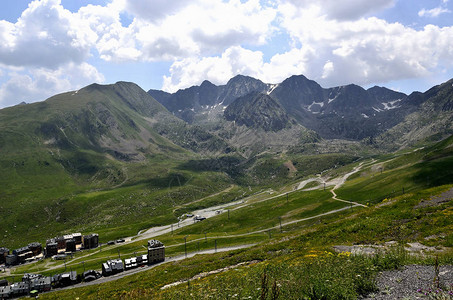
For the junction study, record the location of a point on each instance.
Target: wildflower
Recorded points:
(311, 255)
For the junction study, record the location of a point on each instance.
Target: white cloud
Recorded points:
(234, 61)
(156, 10)
(345, 9)
(332, 52)
(367, 50)
(169, 30)
(435, 12)
(46, 35)
(192, 71)
(40, 83)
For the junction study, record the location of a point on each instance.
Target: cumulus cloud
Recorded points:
(331, 51)
(45, 35)
(233, 61)
(114, 42)
(156, 10)
(169, 30)
(346, 9)
(367, 50)
(40, 83)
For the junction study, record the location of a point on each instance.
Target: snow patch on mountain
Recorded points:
(320, 104)
(272, 88)
(391, 105)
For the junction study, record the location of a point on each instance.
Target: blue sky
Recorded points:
(53, 46)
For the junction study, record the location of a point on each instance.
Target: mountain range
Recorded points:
(245, 116)
(346, 112)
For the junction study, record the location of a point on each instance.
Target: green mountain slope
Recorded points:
(298, 260)
(97, 138)
(432, 120)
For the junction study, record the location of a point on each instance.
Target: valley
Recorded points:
(282, 173)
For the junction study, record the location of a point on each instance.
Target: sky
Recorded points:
(53, 46)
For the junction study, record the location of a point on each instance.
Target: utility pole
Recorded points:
(171, 228)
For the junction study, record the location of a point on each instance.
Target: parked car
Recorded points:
(199, 218)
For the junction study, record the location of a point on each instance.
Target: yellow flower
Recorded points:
(311, 255)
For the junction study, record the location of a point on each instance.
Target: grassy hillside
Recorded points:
(407, 172)
(296, 260)
(57, 156)
(301, 261)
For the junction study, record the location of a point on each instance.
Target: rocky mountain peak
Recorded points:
(258, 111)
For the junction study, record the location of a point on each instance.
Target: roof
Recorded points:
(5, 290)
(155, 244)
(21, 250)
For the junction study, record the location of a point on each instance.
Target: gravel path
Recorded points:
(412, 282)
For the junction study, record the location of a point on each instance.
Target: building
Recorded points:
(112, 267)
(142, 260)
(22, 254)
(20, 289)
(70, 245)
(156, 251)
(42, 284)
(130, 263)
(91, 275)
(3, 253)
(90, 241)
(5, 292)
(11, 260)
(35, 248)
(64, 279)
(61, 243)
(135, 262)
(29, 277)
(51, 248)
(77, 238)
(68, 237)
